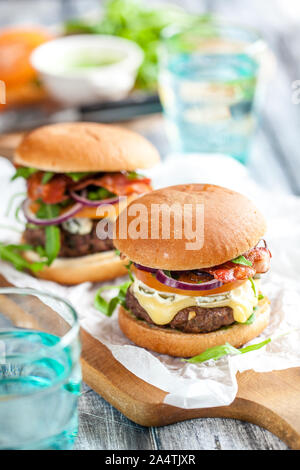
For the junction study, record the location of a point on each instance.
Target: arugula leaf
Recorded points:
(215, 353)
(24, 172)
(253, 286)
(78, 176)
(254, 347)
(47, 176)
(133, 175)
(52, 232)
(128, 266)
(250, 320)
(99, 193)
(11, 201)
(47, 211)
(242, 260)
(107, 308)
(168, 273)
(12, 254)
(220, 351)
(52, 246)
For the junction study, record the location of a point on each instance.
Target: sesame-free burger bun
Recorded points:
(229, 225)
(85, 147)
(91, 268)
(176, 343)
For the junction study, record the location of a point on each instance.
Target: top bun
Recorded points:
(85, 146)
(231, 225)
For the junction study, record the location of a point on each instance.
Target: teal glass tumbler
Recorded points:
(40, 372)
(209, 87)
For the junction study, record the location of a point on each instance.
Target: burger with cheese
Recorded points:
(72, 170)
(183, 300)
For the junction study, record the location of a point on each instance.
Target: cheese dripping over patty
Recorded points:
(162, 307)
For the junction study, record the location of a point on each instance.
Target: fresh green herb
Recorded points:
(78, 176)
(99, 193)
(52, 245)
(11, 201)
(220, 351)
(107, 308)
(214, 353)
(117, 252)
(250, 320)
(23, 172)
(168, 273)
(242, 260)
(253, 286)
(137, 21)
(41, 251)
(128, 267)
(260, 297)
(17, 214)
(47, 211)
(133, 175)
(12, 253)
(254, 347)
(47, 176)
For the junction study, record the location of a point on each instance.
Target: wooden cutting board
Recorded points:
(271, 400)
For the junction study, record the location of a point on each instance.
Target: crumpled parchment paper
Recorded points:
(212, 383)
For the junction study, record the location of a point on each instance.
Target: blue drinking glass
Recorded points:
(40, 371)
(208, 87)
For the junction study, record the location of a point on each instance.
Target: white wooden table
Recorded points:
(275, 164)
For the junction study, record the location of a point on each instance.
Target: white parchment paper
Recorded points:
(213, 383)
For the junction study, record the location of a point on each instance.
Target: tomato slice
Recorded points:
(151, 281)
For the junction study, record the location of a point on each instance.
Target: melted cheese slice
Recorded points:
(162, 307)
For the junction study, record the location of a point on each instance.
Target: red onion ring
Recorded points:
(145, 268)
(45, 222)
(261, 240)
(162, 277)
(86, 202)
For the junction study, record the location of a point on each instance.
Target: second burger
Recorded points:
(71, 169)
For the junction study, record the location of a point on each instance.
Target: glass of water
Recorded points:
(40, 371)
(208, 87)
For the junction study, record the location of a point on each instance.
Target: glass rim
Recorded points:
(64, 340)
(172, 30)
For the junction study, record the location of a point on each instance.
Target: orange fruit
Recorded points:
(16, 46)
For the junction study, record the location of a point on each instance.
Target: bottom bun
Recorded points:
(92, 268)
(177, 343)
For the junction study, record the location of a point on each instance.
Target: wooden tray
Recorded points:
(271, 400)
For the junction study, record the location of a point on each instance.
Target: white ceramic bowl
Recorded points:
(83, 69)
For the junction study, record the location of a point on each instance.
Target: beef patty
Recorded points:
(189, 319)
(72, 245)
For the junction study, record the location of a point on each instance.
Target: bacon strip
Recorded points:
(228, 272)
(53, 192)
(117, 183)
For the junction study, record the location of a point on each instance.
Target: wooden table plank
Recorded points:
(103, 427)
